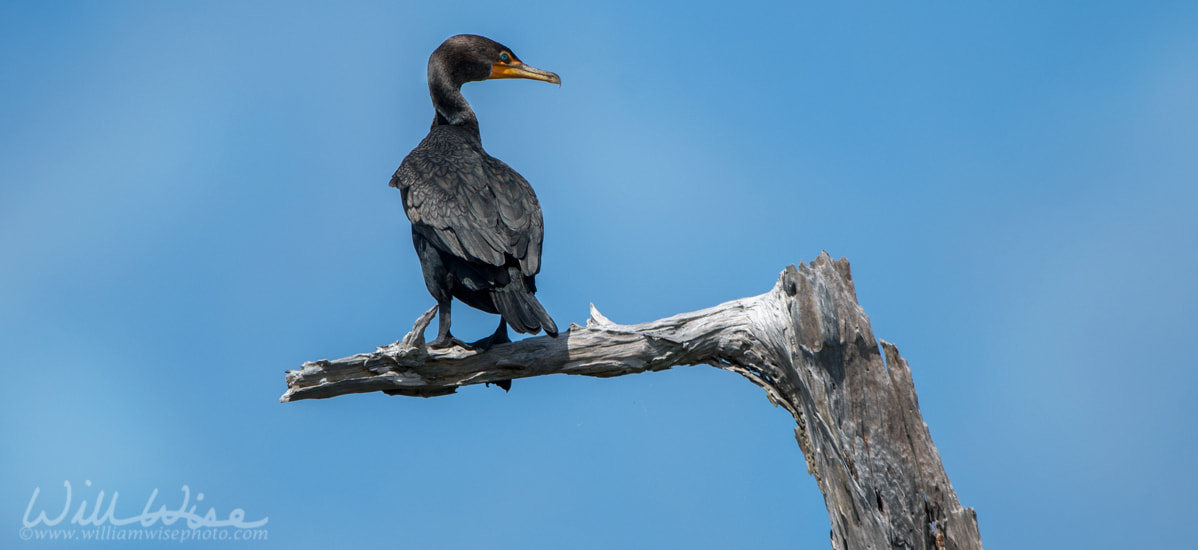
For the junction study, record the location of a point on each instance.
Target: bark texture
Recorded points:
(807, 343)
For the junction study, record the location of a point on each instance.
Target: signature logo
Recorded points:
(148, 516)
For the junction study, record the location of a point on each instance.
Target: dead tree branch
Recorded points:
(807, 343)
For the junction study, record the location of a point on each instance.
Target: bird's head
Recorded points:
(468, 57)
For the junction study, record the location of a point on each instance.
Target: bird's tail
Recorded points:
(520, 308)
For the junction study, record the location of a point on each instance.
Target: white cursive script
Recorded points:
(147, 517)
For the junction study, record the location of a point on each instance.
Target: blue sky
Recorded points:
(193, 199)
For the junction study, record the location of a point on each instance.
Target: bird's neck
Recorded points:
(450, 104)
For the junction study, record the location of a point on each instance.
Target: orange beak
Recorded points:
(516, 69)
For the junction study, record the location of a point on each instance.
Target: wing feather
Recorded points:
(471, 205)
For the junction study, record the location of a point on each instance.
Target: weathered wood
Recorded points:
(807, 343)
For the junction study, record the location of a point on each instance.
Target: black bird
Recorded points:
(476, 223)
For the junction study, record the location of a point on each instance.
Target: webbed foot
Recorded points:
(448, 341)
(498, 337)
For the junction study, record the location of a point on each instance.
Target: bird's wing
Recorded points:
(474, 207)
(519, 214)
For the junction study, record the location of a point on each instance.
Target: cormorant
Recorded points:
(476, 223)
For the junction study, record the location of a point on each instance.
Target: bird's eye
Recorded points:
(504, 57)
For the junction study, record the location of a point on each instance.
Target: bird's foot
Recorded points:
(445, 342)
(505, 384)
(491, 341)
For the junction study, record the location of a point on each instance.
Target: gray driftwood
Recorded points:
(807, 343)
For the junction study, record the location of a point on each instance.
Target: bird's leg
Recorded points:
(444, 338)
(499, 337)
